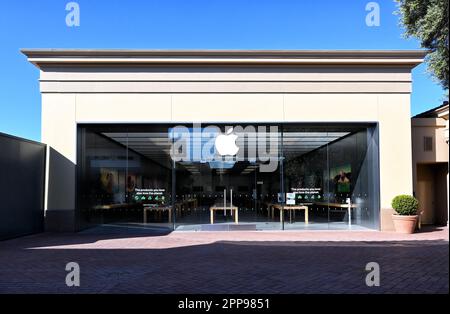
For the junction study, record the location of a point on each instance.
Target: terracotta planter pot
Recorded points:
(405, 224)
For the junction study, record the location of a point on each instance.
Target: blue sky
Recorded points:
(185, 24)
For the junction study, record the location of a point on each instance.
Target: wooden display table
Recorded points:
(159, 209)
(115, 206)
(218, 207)
(348, 206)
(290, 208)
(337, 205)
(190, 203)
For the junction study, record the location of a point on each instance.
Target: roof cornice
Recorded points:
(48, 57)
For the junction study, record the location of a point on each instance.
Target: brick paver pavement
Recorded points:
(227, 262)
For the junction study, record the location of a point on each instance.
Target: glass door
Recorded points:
(223, 208)
(227, 174)
(217, 183)
(205, 194)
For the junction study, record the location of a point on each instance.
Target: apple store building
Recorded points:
(225, 140)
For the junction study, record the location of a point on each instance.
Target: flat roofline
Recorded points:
(42, 57)
(23, 139)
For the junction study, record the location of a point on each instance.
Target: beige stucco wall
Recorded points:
(432, 127)
(425, 174)
(59, 133)
(61, 113)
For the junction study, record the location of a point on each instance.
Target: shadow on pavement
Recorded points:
(224, 266)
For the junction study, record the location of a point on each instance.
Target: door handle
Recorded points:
(224, 202)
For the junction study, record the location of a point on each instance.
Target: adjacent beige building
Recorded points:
(430, 164)
(111, 87)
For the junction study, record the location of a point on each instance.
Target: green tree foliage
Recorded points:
(427, 20)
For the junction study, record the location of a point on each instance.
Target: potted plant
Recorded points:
(405, 218)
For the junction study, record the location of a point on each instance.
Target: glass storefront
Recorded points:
(260, 176)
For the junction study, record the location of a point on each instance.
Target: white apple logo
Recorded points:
(226, 144)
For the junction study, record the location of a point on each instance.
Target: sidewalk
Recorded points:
(227, 262)
(188, 238)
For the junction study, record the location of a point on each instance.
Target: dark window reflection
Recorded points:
(329, 174)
